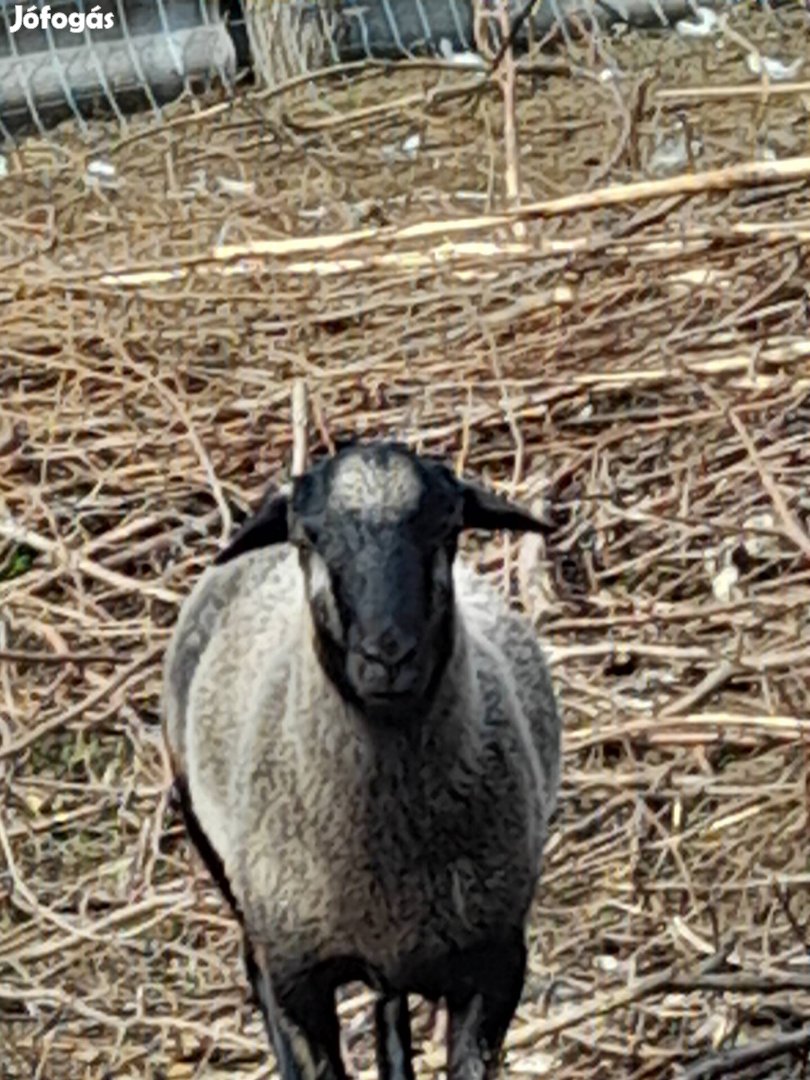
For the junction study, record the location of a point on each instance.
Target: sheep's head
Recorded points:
(376, 528)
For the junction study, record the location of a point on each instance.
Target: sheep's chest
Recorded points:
(386, 854)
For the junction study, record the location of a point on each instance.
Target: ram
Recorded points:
(366, 747)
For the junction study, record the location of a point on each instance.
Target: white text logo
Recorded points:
(76, 21)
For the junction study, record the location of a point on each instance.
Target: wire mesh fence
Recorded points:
(77, 58)
(70, 60)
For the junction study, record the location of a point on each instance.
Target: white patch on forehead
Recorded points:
(377, 490)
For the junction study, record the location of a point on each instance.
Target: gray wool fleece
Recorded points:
(339, 837)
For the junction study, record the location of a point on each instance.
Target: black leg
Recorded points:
(487, 983)
(393, 1031)
(301, 1021)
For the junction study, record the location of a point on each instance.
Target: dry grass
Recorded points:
(645, 364)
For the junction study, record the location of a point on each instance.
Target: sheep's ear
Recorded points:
(483, 510)
(267, 526)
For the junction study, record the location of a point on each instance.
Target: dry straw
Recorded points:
(640, 359)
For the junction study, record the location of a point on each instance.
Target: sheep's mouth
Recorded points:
(390, 695)
(389, 704)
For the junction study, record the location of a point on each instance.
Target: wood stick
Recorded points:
(713, 680)
(300, 453)
(792, 527)
(600, 1005)
(730, 1062)
(23, 656)
(758, 173)
(732, 176)
(705, 93)
(791, 524)
(508, 82)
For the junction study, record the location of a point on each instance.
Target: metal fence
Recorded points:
(79, 58)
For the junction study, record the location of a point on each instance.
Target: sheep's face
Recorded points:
(377, 528)
(377, 536)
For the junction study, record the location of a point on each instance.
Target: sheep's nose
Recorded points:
(391, 649)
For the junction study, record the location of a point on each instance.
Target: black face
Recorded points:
(377, 528)
(377, 544)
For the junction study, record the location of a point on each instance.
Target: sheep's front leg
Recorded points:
(393, 1031)
(487, 983)
(302, 1024)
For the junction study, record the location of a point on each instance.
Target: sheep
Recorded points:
(366, 743)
